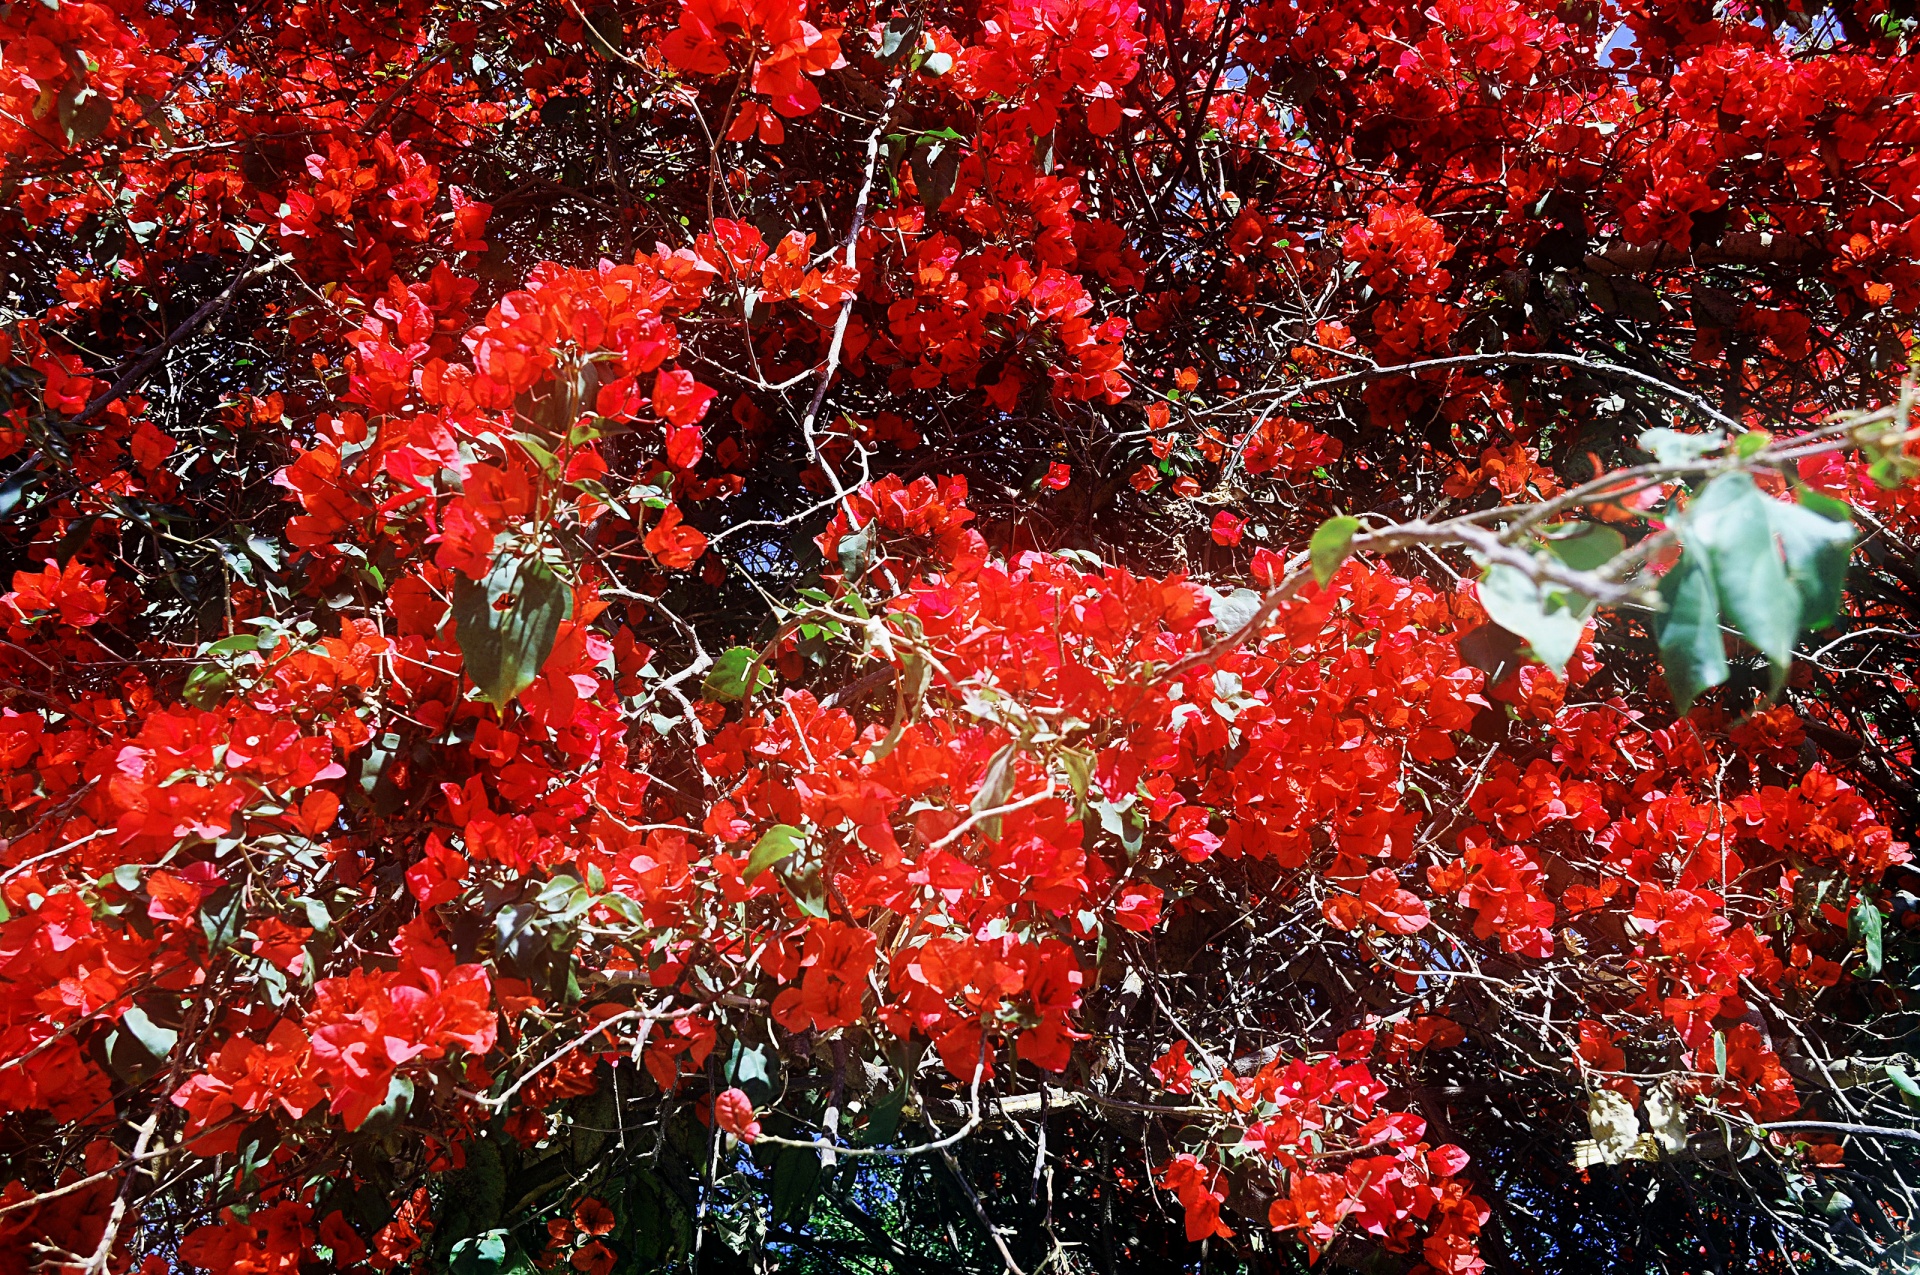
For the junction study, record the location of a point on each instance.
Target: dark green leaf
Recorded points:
(1692, 653)
(1330, 545)
(796, 1184)
(883, 1121)
(222, 919)
(84, 113)
(934, 170)
(14, 486)
(506, 624)
(475, 1196)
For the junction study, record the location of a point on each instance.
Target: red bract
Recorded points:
(772, 38)
(733, 1111)
(619, 613)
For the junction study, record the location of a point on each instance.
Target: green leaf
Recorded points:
(492, 1253)
(1079, 767)
(1671, 447)
(750, 1064)
(883, 1120)
(1908, 1087)
(506, 624)
(1692, 653)
(1729, 524)
(222, 919)
(317, 915)
(380, 750)
(1551, 620)
(84, 113)
(399, 1102)
(900, 32)
(775, 844)
(1720, 1054)
(1818, 547)
(542, 455)
(805, 884)
(235, 644)
(1824, 505)
(155, 1039)
(995, 787)
(1330, 545)
(473, 1200)
(852, 551)
(934, 170)
(1584, 546)
(206, 685)
(1863, 927)
(727, 679)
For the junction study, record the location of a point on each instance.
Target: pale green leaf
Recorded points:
(1551, 620)
(1330, 545)
(1584, 546)
(775, 844)
(1692, 653)
(1729, 525)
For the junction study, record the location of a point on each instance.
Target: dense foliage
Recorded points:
(1075, 634)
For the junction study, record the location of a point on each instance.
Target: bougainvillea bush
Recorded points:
(1073, 635)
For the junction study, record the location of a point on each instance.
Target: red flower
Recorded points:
(679, 399)
(733, 1111)
(593, 1217)
(1173, 1071)
(592, 1259)
(466, 541)
(1139, 907)
(673, 544)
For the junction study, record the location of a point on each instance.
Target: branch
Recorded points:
(1860, 1130)
(144, 365)
(809, 424)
